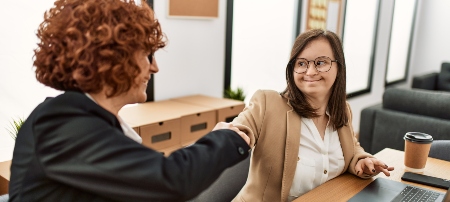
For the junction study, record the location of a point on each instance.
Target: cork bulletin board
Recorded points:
(325, 14)
(193, 8)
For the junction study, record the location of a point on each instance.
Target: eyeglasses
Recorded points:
(322, 64)
(150, 57)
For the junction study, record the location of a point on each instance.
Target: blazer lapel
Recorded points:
(346, 139)
(290, 152)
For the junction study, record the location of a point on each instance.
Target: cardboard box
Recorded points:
(137, 130)
(196, 121)
(5, 173)
(158, 128)
(168, 123)
(227, 109)
(167, 151)
(162, 134)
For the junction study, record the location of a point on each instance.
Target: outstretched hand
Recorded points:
(224, 125)
(371, 166)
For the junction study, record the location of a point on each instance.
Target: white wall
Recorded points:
(20, 92)
(260, 52)
(430, 48)
(432, 37)
(360, 102)
(193, 61)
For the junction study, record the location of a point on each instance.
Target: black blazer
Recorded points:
(71, 149)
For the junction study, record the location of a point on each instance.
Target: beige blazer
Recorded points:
(274, 130)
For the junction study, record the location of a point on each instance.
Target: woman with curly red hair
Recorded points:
(75, 147)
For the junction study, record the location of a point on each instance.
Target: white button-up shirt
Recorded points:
(318, 160)
(129, 132)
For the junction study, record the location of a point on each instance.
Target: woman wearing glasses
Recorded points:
(303, 136)
(75, 147)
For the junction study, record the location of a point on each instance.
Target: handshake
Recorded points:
(224, 125)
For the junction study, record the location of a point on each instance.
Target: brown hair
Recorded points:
(337, 105)
(87, 44)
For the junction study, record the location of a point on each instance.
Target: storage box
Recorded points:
(136, 129)
(168, 123)
(158, 128)
(167, 151)
(5, 173)
(196, 121)
(227, 109)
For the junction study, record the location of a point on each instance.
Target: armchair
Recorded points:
(440, 149)
(228, 185)
(404, 110)
(434, 81)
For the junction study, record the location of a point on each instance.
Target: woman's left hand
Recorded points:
(371, 166)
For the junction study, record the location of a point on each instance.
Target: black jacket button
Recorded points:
(241, 151)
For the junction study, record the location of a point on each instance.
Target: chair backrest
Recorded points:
(228, 185)
(443, 81)
(404, 110)
(440, 149)
(418, 101)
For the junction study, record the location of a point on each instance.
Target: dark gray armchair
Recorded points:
(404, 110)
(434, 81)
(440, 149)
(228, 185)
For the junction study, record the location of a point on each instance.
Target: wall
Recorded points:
(429, 50)
(382, 43)
(433, 37)
(193, 61)
(20, 92)
(260, 52)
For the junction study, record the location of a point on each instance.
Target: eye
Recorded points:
(301, 63)
(321, 62)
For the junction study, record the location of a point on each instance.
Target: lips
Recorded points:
(146, 79)
(312, 80)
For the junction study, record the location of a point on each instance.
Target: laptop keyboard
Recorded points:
(411, 194)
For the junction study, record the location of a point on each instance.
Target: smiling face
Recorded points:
(137, 93)
(312, 83)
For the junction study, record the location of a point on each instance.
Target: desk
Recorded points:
(345, 186)
(4, 176)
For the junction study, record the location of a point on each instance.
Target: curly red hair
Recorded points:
(87, 44)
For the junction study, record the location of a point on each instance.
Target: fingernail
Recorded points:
(357, 173)
(373, 170)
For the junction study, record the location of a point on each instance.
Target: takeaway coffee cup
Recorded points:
(417, 147)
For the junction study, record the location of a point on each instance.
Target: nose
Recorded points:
(154, 66)
(311, 68)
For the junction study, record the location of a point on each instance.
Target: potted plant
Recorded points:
(235, 94)
(14, 127)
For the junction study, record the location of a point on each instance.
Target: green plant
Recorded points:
(14, 127)
(236, 94)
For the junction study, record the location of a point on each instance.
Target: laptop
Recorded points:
(382, 189)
